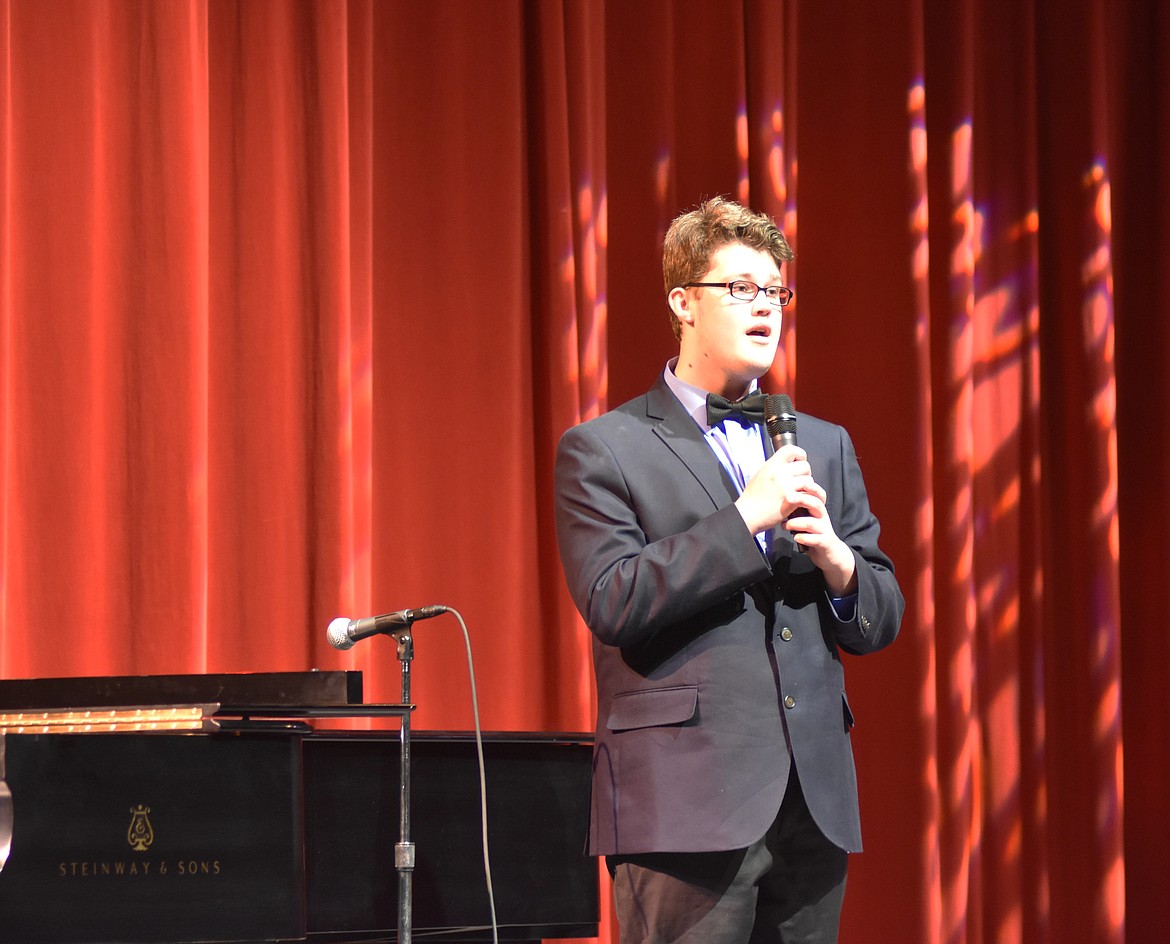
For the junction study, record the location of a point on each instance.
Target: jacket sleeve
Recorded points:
(879, 600)
(635, 559)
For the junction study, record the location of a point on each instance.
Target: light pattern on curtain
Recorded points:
(297, 297)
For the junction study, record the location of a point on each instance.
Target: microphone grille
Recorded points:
(338, 634)
(780, 415)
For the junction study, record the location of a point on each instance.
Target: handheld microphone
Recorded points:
(780, 418)
(343, 632)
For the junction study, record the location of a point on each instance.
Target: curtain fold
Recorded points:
(1139, 140)
(1081, 552)
(296, 299)
(105, 154)
(564, 83)
(985, 362)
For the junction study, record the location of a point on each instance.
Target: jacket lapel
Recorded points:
(682, 436)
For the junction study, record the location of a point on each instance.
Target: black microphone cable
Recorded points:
(487, 865)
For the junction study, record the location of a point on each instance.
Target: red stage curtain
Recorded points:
(296, 298)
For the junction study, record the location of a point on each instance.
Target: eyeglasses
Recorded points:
(778, 295)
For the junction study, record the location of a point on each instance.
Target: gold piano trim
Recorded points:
(165, 718)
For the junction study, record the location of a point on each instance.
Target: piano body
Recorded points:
(255, 827)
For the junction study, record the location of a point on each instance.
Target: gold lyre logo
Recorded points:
(140, 834)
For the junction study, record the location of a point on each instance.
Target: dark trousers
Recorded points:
(786, 888)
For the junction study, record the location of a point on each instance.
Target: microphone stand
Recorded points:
(404, 849)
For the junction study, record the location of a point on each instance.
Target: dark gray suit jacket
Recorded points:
(711, 661)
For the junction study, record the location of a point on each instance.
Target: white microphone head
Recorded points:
(338, 634)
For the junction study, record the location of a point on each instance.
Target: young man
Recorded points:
(724, 792)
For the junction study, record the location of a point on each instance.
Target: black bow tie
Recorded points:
(749, 409)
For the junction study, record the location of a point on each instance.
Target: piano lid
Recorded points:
(242, 691)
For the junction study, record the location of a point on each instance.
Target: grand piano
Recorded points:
(215, 808)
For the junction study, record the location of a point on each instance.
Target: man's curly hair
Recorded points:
(695, 236)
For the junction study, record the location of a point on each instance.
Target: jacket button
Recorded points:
(789, 701)
(786, 634)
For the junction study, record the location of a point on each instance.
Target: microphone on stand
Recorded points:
(343, 632)
(780, 418)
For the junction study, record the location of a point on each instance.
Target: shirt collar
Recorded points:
(693, 399)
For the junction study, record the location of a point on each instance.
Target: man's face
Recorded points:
(727, 342)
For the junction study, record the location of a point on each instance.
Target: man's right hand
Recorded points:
(778, 489)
